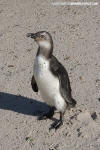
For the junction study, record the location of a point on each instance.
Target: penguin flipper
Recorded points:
(34, 84)
(65, 89)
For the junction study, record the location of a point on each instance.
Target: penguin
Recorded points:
(50, 78)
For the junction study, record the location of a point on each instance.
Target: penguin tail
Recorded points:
(73, 103)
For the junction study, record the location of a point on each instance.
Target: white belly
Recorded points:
(48, 84)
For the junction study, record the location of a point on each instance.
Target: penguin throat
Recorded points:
(45, 49)
(45, 45)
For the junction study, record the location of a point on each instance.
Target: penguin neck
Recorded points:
(44, 52)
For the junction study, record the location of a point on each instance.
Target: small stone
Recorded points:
(56, 146)
(28, 139)
(80, 77)
(94, 116)
(10, 66)
(98, 80)
(78, 130)
(79, 134)
(67, 57)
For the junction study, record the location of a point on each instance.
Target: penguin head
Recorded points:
(43, 39)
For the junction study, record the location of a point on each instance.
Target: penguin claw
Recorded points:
(56, 125)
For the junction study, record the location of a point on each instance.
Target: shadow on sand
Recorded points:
(22, 104)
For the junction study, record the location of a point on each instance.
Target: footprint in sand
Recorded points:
(89, 127)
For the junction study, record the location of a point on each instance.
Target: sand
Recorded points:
(76, 34)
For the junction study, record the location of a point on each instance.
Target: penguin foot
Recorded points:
(56, 125)
(47, 115)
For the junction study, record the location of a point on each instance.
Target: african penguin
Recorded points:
(51, 78)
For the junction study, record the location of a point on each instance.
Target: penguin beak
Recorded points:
(31, 35)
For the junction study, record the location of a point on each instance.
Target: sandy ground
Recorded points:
(76, 35)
